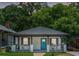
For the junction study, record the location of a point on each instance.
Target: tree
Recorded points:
(33, 6)
(41, 18)
(68, 25)
(16, 16)
(75, 4)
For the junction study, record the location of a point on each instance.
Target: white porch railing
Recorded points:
(20, 48)
(51, 48)
(24, 47)
(58, 48)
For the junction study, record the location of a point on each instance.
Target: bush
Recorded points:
(8, 49)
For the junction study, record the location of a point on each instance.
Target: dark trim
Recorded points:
(41, 35)
(14, 40)
(48, 40)
(3, 39)
(18, 43)
(57, 41)
(28, 40)
(22, 41)
(31, 40)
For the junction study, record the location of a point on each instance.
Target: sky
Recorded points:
(3, 4)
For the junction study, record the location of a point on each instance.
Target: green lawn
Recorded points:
(16, 54)
(57, 54)
(31, 54)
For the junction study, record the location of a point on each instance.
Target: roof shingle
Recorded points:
(3, 28)
(41, 31)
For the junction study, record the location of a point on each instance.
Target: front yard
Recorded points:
(57, 54)
(16, 54)
(31, 54)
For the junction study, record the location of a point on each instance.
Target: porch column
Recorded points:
(20, 43)
(48, 45)
(13, 46)
(31, 44)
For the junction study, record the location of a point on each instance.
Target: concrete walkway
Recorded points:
(38, 54)
(75, 53)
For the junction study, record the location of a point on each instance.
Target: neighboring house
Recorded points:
(76, 41)
(74, 44)
(39, 39)
(5, 35)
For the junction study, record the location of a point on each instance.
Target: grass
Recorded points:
(16, 54)
(57, 54)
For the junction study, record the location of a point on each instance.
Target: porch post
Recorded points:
(13, 47)
(20, 42)
(48, 45)
(31, 44)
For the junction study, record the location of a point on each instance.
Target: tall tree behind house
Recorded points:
(34, 6)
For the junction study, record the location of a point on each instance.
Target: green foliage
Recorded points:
(68, 25)
(23, 16)
(16, 54)
(57, 54)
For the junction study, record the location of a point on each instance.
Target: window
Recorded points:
(43, 40)
(25, 41)
(54, 41)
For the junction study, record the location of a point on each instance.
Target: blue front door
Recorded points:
(43, 44)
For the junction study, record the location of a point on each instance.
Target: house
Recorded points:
(39, 39)
(5, 35)
(74, 43)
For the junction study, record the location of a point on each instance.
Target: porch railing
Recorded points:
(58, 48)
(20, 48)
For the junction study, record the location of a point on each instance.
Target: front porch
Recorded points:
(38, 44)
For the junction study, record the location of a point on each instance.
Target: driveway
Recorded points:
(75, 53)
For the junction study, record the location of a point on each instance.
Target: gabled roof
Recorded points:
(3, 28)
(41, 31)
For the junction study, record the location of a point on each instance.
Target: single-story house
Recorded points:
(39, 39)
(5, 35)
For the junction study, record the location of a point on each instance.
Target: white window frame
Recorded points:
(25, 41)
(54, 41)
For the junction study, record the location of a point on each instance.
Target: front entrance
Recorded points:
(43, 44)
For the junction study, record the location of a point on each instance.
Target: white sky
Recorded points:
(3, 4)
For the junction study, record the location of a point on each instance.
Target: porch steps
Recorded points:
(38, 54)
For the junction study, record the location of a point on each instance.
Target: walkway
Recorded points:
(75, 53)
(38, 54)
